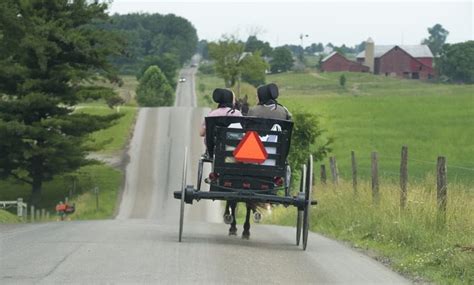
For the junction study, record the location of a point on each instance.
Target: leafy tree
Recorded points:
(456, 61)
(314, 48)
(227, 54)
(253, 44)
(114, 101)
(282, 60)
(360, 47)
(48, 49)
(153, 89)
(168, 64)
(206, 68)
(202, 49)
(253, 69)
(307, 138)
(436, 39)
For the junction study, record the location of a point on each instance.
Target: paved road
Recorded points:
(140, 246)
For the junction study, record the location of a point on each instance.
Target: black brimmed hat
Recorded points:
(223, 96)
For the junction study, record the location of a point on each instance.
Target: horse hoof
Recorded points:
(233, 232)
(228, 219)
(246, 235)
(257, 217)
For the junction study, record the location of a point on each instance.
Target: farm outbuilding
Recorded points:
(408, 61)
(337, 62)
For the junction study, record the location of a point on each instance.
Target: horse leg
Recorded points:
(246, 232)
(227, 213)
(233, 225)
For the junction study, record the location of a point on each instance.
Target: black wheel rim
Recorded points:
(299, 214)
(183, 194)
(299, 218)
(200, 167)
(309, 187)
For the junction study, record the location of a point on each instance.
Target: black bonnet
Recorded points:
(223, 96)
(267, 93)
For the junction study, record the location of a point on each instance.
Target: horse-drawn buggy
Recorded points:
(248, 158)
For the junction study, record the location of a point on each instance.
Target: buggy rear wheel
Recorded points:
(199, 178)
(306, 212)
(299, 214)
(183, 194)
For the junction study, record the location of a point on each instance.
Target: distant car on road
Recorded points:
(182, 79)
(193, 65)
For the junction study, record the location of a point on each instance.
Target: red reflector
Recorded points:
(213, 176)
(227, 184)
(246, 185)
(250, 149)
(278, 181)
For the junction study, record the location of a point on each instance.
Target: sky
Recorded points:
(338, 22)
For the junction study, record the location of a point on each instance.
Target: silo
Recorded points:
(369, 54)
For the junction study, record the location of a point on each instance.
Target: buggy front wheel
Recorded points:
(183, 194)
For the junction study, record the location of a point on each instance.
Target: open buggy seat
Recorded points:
(249, 164)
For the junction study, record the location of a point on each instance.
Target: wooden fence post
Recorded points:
(442, 188)
(403, 177)
(38, 217)
(334, 172)
(43, 214)
(47, 215)
(375, 179)
(354, 172)
(323, 174)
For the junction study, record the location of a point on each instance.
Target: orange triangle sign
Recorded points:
(250, 149)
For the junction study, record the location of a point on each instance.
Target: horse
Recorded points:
(229, 217)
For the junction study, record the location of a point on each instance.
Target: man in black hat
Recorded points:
(268, 107)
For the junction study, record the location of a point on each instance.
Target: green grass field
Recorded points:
(377, 113)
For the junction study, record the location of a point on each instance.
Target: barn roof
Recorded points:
(329, 56)
(413, 50)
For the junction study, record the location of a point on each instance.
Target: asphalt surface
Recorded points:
(140, 245)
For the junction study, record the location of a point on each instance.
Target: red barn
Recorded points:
(337, 62)
(408, 61)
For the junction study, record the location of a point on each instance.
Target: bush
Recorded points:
(342, 81)
(153, 89)
(206, 68)
(307, 138)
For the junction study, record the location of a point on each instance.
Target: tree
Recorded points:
(253, 44)
(456, 61)
(202, 49)
(48, 49)
(282, 60)
(253, 69)
(307, 138)
(153, 89)
(168, 64)
(227, 54)
(436, 39)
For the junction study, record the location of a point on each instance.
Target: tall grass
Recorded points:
(415, 239)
